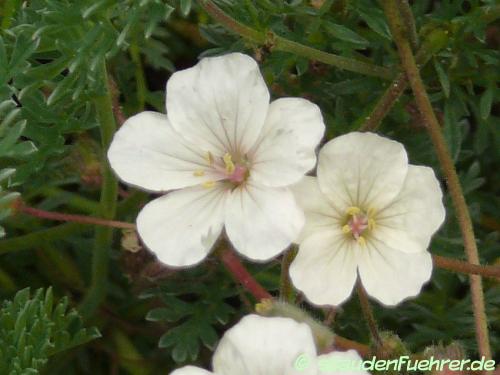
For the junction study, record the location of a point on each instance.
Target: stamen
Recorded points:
(199, 173)
(346, 229)
(228, 162)
(353, 211)
(361, 241)
(371, 224)
(209, 157)
(208, 184)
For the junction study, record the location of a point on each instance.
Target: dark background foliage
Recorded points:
(53, 55)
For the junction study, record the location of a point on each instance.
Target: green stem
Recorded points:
(109, 193)
(286, 289)
(410, 67)
(278, 43)
(140, 79)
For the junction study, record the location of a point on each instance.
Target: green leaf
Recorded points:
(486, 102)
(185, 6)
(443, 78)
(344, 33)
(32, 329)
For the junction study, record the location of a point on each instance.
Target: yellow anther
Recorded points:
(371, 212)
(361, 241)
(208, 184)
(199, 173)
(228, 162)
(346, 229)
(353, 211)
(371, 224)
(209, 157)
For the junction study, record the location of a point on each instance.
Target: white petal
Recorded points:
(182, 226)
(319, 212)
(408, 223)
(264, 346)
(261, 222)
(191, 370)
(341, 363)
(286, 148)
(220, 103)
(325, 267)
(362, 169)
(148, 153)
(389, 275)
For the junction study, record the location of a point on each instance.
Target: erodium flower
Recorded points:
(368, 213)
(225, 155)
(271, 346)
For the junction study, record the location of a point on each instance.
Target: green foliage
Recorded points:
(51, 52)
(33, 328)
(194, 311)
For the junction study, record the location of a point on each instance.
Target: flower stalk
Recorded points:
(278, 43)
(239, 272)
(82, 219)
(368, 314)
(411, 68)
(459, 266)
(109, 193)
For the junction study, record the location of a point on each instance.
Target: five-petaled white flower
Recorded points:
(273, 346)
(228, 154)
(368, 213)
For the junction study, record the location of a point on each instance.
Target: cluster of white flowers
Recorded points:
(230, 160)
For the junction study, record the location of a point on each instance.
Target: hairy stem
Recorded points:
(410, 67)
(239, 272)
(109, 192)
(82, 219)
(436, 40)
(278, 43)
(464, 267)
(368, 314)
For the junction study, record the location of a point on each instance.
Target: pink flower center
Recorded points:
(358, 223)
(238, 175)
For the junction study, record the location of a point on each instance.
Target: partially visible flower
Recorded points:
(368, 213)
(230, 156)
(272, 346)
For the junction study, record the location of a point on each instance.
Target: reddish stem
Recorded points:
(240, 273)
(74, 218)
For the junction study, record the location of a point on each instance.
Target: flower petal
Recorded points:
(220, 103)
(325, 267)
(408, 223)
(286, 148)
(261, 222)
(264, 346)
(148, 153)
(389, 275)
(182, 226)
(319, 212)
(362, 169)
(191, 370)
(341, 363)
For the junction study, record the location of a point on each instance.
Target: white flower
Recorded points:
(271, 346)
(368, 213)
(229, 155)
